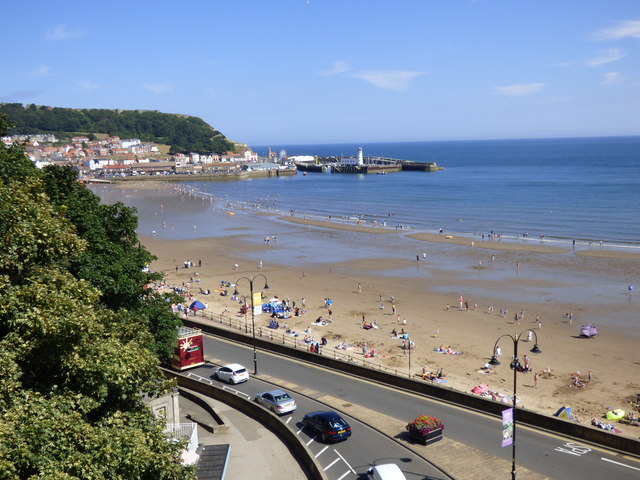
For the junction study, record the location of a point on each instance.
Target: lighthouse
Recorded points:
(360, 156)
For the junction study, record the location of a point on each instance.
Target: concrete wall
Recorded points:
(299, 451)
(475, 402)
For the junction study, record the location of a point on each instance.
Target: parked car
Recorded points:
(278, 401)
(232, 373)
(386, 471)
(331, 426)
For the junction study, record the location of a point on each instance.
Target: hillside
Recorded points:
(183, 133)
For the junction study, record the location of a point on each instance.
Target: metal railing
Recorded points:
(288, 340)
(182, 431)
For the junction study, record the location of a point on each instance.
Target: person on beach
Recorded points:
(630, 289)
(359, 288)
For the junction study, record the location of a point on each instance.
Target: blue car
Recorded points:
(329, 425)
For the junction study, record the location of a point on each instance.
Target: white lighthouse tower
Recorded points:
(360, 156)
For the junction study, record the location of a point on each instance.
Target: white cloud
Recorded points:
(518, 90)
(612, 78)
(158, 87)
(623, 29)
(41, 72)
(389, 79)
(60, 32)
(87, 85)
(339, 66)
(605, 56)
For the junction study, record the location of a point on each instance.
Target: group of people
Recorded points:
(428, 375)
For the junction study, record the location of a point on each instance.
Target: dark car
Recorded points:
(331, 426)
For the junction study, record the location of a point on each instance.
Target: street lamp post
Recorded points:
(253, 323)
(515, 364)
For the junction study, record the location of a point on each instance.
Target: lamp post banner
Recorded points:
(257, 303)
(507, 427)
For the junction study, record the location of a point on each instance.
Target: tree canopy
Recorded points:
(183, 133)
(80, 336)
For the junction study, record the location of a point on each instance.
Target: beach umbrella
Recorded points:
(196, 305)
(482, 388)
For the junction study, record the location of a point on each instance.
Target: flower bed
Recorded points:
(425, 429)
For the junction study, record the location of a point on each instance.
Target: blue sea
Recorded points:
(583, 189)
(587, 190)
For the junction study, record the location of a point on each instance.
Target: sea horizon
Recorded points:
(259, 148)
(585, 189)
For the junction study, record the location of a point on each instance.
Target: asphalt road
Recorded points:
(348, 459)
(549, 455)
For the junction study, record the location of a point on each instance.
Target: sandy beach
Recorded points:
(427, 307)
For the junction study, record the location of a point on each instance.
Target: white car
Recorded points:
(232, 373)
(387, 471)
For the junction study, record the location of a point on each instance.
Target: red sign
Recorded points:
(189, 350)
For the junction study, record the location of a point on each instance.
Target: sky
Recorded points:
(337, 71)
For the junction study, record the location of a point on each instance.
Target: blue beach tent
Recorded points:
(196, 305)
(564, 413)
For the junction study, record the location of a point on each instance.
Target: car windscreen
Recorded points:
(282, 398)
(242, 370)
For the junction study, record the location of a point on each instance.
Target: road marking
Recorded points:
(618, 463)
(310, 441)
(573, 449)
(338, 453)
(298, 432)
(288, 420)
(344, 475)
(321, 451)
(331, 464)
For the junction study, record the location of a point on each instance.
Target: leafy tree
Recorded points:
(72, 368)
(14, 164)
(183, 133)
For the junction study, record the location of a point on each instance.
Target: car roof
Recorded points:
(327, 415)
(234, 366)
(389, 470)
(275, 392)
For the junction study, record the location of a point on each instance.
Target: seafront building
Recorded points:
(116, 157)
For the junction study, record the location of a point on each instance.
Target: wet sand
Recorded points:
(544, 281)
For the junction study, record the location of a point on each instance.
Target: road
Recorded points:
(549, 455)
(348, 459)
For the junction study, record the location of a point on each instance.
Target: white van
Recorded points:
(387, 471)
